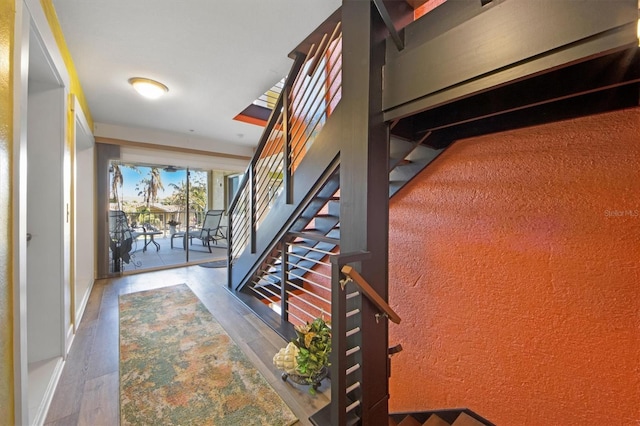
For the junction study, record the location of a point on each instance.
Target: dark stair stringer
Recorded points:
(323, 236)
(407, 159)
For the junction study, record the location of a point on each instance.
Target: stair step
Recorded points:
(400, 148)
(466, 420)
(333, 207)
(316, 237)
(435, 420)
(409, 421)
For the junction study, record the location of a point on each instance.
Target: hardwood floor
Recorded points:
(88, 391)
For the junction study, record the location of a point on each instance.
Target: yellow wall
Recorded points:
(75, 88)
(7, 46)
(7, 20)
(75, 92)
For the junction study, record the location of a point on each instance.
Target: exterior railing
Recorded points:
(161, 221)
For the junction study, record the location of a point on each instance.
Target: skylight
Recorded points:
(270, 97)
(259, 111)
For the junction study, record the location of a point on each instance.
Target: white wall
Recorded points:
(85, 232)
(159, 137)
(44, 222)
(139, 155)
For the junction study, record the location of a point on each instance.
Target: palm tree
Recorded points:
(197, 194)
(150, 186)
(116, 181)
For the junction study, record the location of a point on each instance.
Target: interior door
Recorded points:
(48, 251)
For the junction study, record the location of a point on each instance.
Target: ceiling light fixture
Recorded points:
(148, 88)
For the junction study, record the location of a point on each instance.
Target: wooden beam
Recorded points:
(463, 47)
(148, 145)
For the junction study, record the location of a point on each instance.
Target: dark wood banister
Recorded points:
(371, 294)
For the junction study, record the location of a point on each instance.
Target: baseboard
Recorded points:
(83, 306)
(71, 333)
(43, 409)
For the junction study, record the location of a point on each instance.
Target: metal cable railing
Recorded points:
(307, 292)
(352, 358)
(315, 93)
(347, 358)
(240, 232)
(309, 95)
(269, 172)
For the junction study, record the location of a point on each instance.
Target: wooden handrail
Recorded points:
(371, 293)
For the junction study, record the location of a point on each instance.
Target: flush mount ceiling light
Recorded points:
(148, 88)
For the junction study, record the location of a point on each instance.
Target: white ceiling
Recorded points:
(216, 57)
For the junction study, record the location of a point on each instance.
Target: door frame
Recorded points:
(30, 17)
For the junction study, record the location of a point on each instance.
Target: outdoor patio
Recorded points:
(166, 256)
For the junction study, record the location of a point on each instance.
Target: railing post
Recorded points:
(338, 411)
(286, 129)
(341, 325)
(229, 249)
(286, 126)
(284, 300)
(364, 187)
(252, 207)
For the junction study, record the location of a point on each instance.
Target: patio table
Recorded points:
(151, 235)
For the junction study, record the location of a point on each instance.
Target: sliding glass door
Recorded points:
(157, 216)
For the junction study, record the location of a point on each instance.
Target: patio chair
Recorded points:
(121, 236)
(210, 231)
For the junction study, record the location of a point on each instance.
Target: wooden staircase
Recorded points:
(454, 418)
(407, 158)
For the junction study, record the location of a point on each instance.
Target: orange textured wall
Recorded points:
(515, 266)
(427, 7)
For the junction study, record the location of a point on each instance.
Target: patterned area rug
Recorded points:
(179, 367)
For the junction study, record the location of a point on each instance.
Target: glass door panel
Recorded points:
(204, 240)
(158, 217)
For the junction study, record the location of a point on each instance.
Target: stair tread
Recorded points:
(466, 420)
(435, 420)
(315, 236)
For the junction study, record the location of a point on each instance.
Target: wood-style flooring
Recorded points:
(88, 391)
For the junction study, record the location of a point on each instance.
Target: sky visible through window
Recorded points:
(132, 179)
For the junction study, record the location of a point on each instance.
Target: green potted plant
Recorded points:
(305, 360)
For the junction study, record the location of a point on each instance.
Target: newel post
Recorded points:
(364, 187)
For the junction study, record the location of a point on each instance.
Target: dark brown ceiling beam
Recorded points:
(617, 69)
(463, 48)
